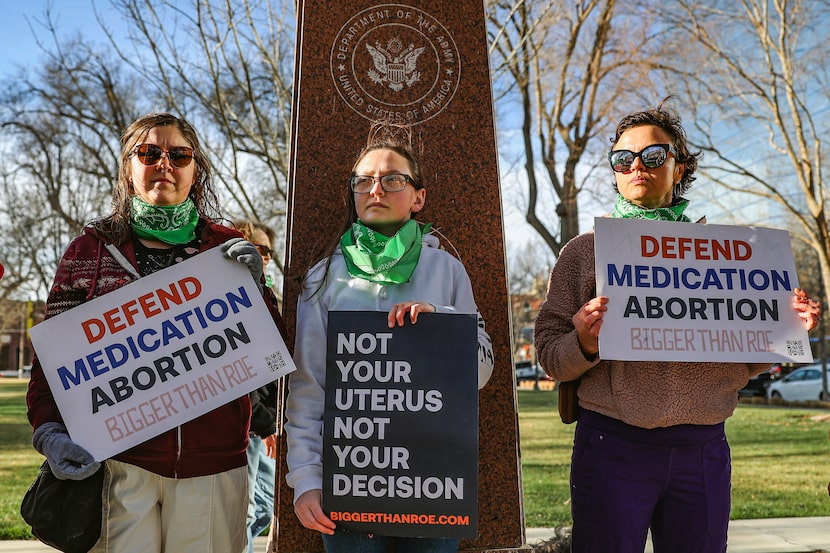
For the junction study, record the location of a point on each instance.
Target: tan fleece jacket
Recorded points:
(639, 393)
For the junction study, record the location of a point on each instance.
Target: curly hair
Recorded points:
(666, 119)
(117, 224)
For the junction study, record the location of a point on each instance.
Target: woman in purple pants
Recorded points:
(650, 450)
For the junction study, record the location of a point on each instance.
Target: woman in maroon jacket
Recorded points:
(184, 490)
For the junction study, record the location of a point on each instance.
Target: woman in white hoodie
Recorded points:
(383, 260)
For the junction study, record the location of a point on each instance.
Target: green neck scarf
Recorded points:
(624, 209)
(374, 257)
(172, 224)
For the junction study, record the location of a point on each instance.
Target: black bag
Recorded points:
(568, 401)
(65, 514)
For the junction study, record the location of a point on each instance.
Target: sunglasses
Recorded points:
(653, 156)
(264, 250)
(150, 154)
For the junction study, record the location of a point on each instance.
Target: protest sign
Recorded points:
(694, 292)
(158, 352)
(400, 429)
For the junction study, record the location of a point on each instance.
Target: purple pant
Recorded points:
(625, 480)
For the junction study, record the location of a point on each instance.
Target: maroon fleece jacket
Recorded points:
(210, 444)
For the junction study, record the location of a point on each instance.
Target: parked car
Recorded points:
(758, 384)
(27, 370)
(527, 370)
(803, 384)
(781, 370)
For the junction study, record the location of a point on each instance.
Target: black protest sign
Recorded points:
(400, 431)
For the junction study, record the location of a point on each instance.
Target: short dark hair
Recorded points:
(665, 118)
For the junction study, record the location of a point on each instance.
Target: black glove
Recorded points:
(246, 253)
(68, 460)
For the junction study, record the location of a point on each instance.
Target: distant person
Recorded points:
(382, 259)
(262, 237)
(183, 491)
(262, 437)
(650, 450)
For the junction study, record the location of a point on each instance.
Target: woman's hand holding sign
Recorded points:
(398, 312)
(309, 509)
(68, 460)
(808, 309)
(587, 322)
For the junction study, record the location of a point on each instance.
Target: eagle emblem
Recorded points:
(394, 65)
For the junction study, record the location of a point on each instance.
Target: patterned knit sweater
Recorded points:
(639, 393)
(210, 444)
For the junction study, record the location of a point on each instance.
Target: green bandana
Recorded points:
(377, 258)
(173, 224)
(624, 209)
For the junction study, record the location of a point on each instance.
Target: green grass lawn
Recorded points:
(780, 458)
(780, 461)
(20, 463)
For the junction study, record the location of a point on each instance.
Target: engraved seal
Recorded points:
(395, 62)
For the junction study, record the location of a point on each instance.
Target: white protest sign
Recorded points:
(159, 352)
(694, 292)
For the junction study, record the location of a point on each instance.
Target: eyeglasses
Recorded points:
(150, 154)
(394, 182)
(264, 250)
(653, 156)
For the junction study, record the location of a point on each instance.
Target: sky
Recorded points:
(23, 23)
(20, 18)
(23, 20)
(16, 42)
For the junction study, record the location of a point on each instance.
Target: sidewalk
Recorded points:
(768, 535)
(771, 535)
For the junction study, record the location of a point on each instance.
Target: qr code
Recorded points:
(795, 347)
(275, 361)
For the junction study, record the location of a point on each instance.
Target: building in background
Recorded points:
(524, 308)
(16, 350)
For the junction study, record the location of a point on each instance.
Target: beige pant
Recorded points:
(147, 513)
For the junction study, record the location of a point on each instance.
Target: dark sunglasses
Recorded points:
(264, 250)
(150, 154)
(653, 156)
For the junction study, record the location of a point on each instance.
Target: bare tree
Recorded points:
(59, 127)
(528, 271)
(761, 106)
(226, 66)
(230, 68)
(570, 74)
(529, 266)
